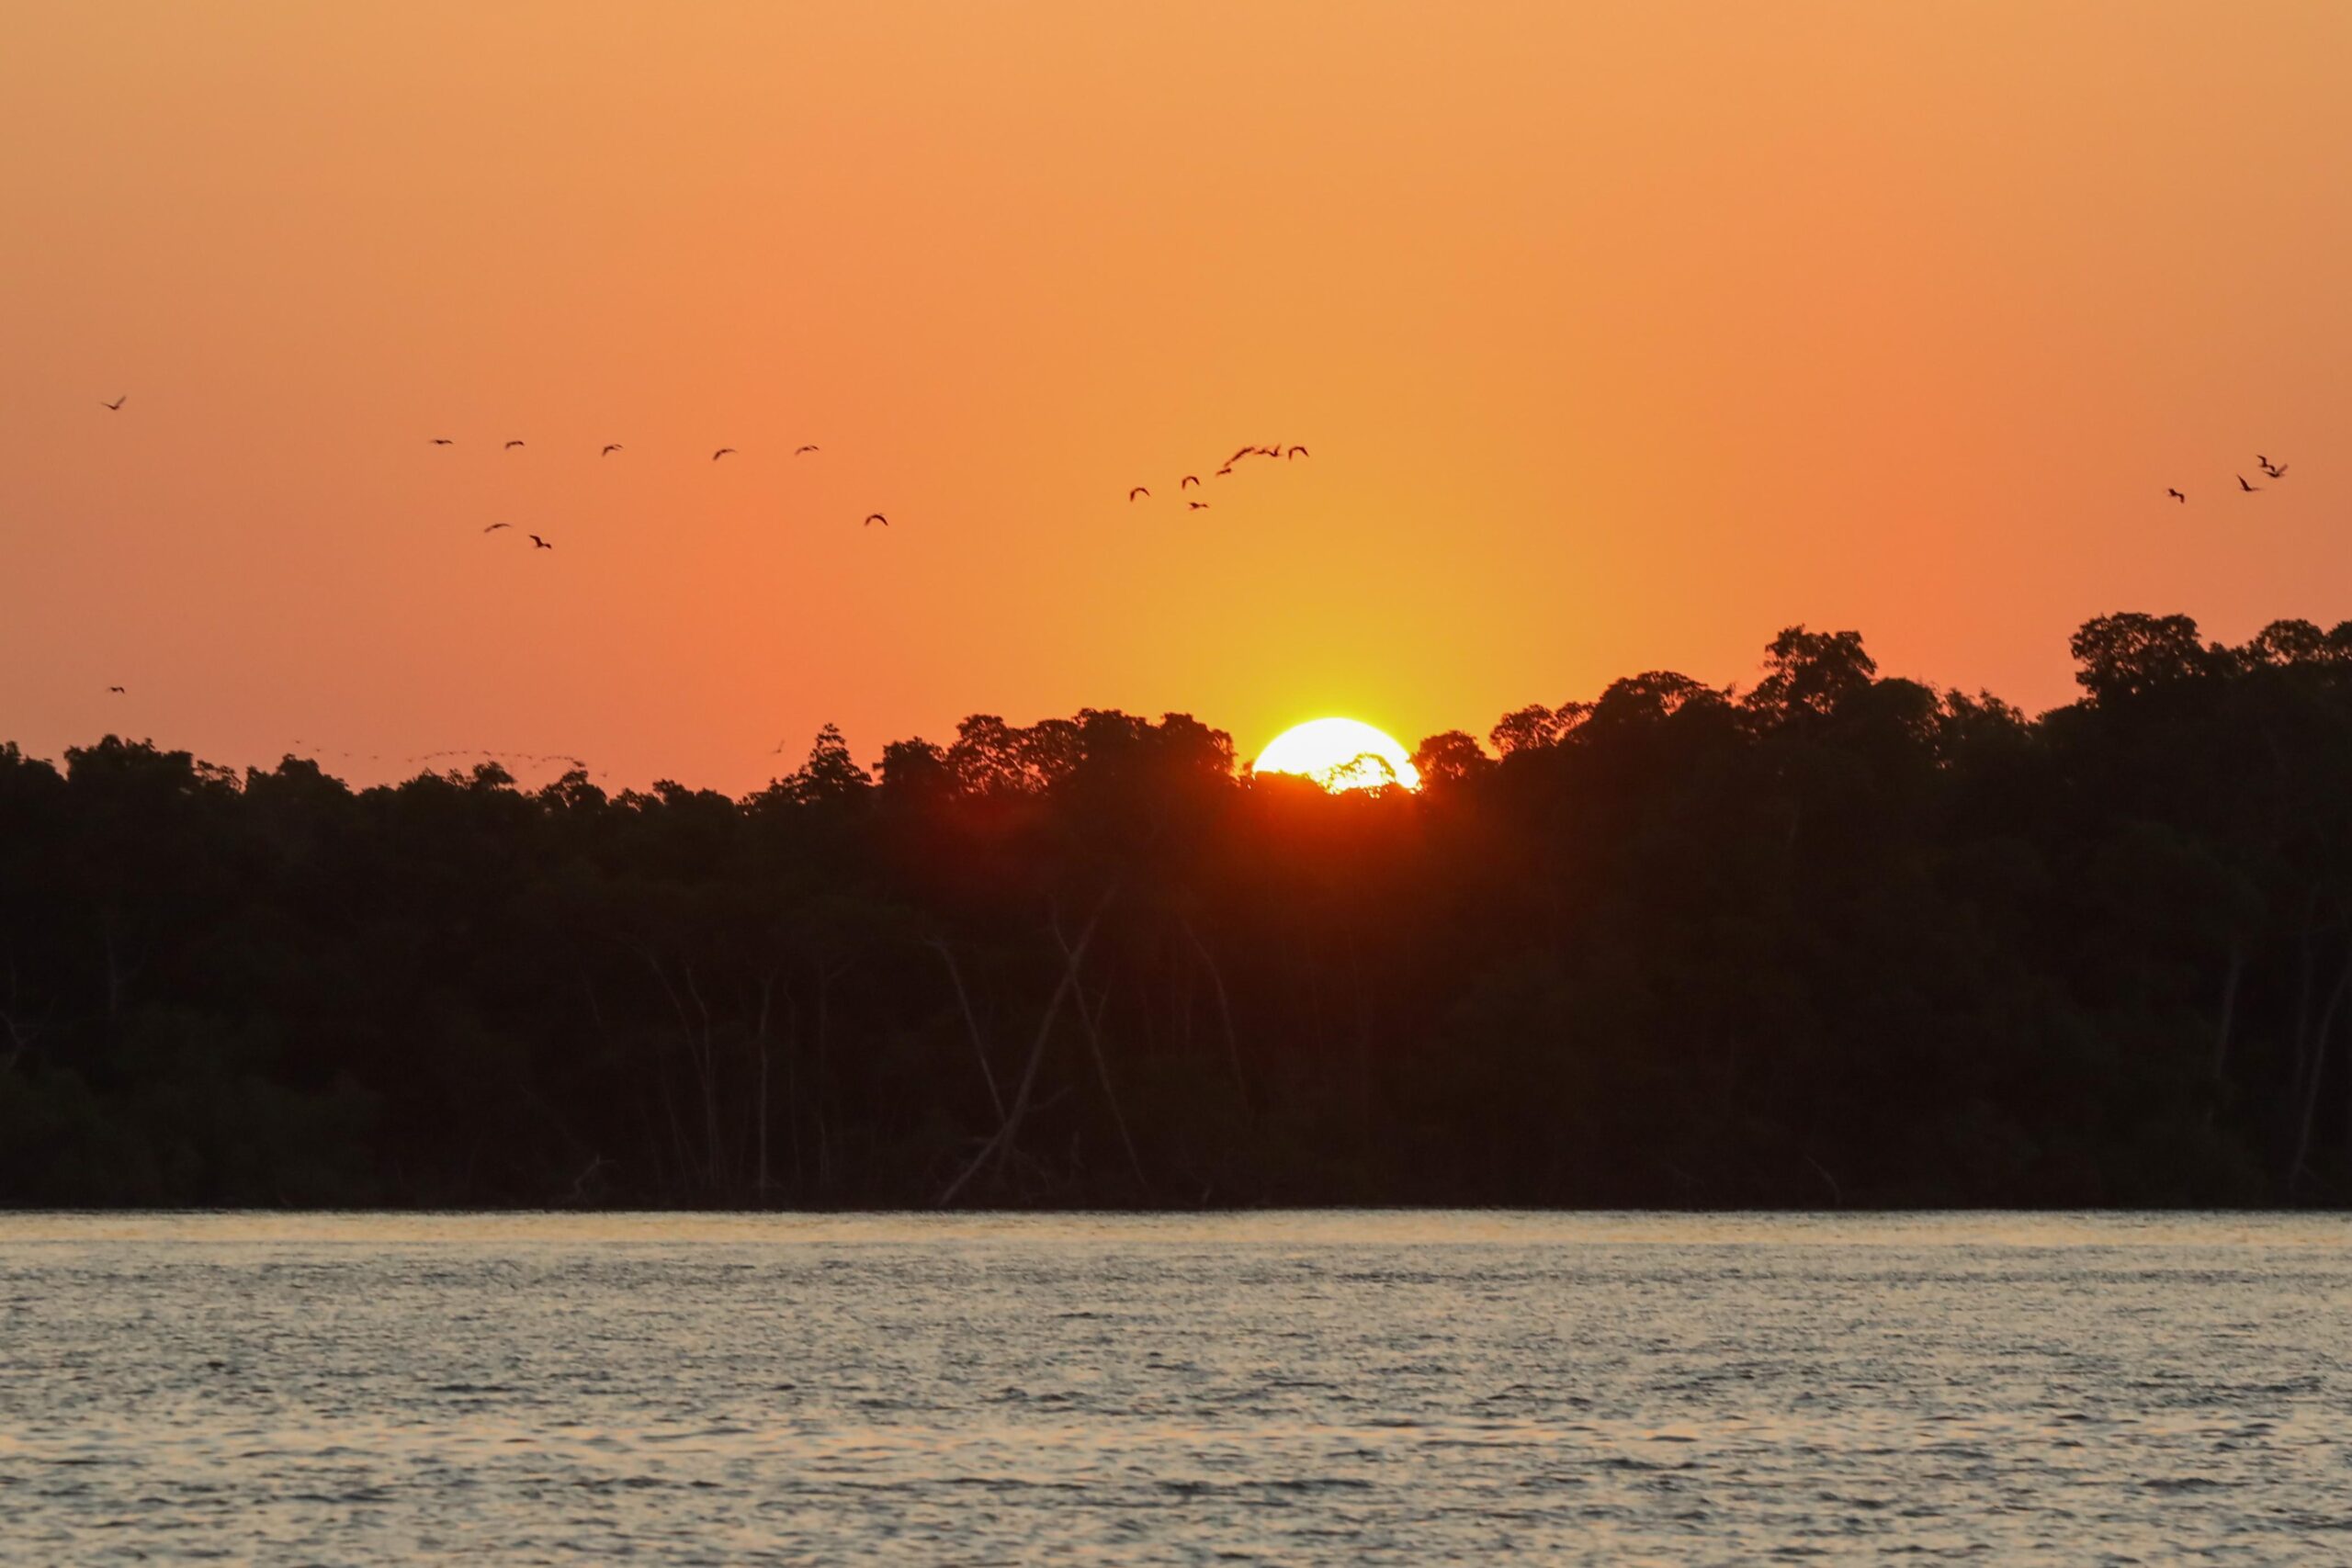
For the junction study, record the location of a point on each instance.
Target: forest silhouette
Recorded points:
(1837, 940)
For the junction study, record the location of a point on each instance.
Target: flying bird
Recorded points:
(442, 441)
(1198, 505)
(610, 447)
(2176, 495)
(510, 446)
(1136, 492)
(1225, 470)
(1238, 455)
(1190, 480)
(494, 528)
(539, 543)
(2242, 485)
(118, 691)
(1300, 452)
(116, 404)
(874, 517)
(2278, 472)
(720, 453)
(802, 451)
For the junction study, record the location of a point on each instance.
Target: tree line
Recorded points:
(1835, 940)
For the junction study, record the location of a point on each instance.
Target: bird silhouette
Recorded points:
(494, 528)
(2242, 485)
(116, 404)
(2278, 472)
(1225, 470)
(2176, 495)
(1238, 453)
(720, 453)
(442, 441)
(610, 447)
(874, 517)
(539, 543)
(1190, 481)
(1198, 505)
(118, 691)
(1300, 452)
(510, 446)
(802, 451)
(1136, 492)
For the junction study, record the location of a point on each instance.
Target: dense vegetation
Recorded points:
(1836, 940)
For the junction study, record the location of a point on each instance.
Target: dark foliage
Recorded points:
(1844, 939)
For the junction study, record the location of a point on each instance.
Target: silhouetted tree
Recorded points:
(1846, 939)
(2129, 655)
(1450, 757)
(1807, 676)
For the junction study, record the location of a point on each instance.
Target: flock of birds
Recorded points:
(1192, 481)
(606, 450)
(1278, 451)
(2276, 470)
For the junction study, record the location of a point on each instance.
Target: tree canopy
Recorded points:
(1839, 939)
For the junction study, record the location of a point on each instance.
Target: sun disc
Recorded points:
(1340, 754)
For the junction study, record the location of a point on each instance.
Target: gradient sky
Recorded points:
(1622, 334)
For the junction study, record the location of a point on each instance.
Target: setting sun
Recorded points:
(1340, 754)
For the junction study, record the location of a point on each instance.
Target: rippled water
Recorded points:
(1338, 1388)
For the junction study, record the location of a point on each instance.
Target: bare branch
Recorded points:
(1007, 1133)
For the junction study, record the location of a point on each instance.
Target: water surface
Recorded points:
(1300, 1388)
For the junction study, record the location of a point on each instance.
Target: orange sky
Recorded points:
(1622, 335)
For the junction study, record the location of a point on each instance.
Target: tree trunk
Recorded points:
(1092, 1019)
(1223, 1013)
(824, 1147)
(2303, 992)
(2229, 1007)
(760, 1179)
(2296, 1171)
(662, 1070)
(971, 1026)
(792, 1099)
(707, 1068)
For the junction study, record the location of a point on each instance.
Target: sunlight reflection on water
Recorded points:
(1284, 1386)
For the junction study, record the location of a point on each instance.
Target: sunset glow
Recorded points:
(1619, 341)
